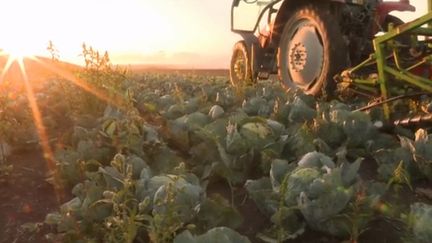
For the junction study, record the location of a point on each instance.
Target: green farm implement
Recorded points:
(402, 68)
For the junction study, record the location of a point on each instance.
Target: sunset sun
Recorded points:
(18, 53)
(18, 50)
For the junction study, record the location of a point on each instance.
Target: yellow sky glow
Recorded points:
(133, 31)
(194, 33)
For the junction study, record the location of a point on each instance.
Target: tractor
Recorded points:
(324, 46)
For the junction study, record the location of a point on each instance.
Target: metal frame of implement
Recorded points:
(386, 49)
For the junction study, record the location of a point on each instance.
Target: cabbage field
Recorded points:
(166, 157)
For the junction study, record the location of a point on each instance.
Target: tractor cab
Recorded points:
(247, 14)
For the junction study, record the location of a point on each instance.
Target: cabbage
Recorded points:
(68, 165)
(256, 106)
(215, 235)
(262, 194)
(185, 194)
(421, 221)
(225, 98)
(256, 134)
(319, 189)
(279, 168)
(300, 111)
(175, 111)
(216, 112)
(358, 128)
(421, 149)
(186, 197)
(330, 132)
(389, 159)
(192, 105)
(165, 101)
(151, 136)
(276, 127)
(235, 143)
(163, 159)
(216, 211)
(138, 164)
(316, 160)
(180, 129)
(298, 182)
(299, 142)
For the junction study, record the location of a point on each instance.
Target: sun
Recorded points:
(17, 53)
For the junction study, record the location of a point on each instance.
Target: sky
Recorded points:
(421, 9)
(192, 33)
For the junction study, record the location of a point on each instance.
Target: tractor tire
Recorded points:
(311, 51)
(406, 51)
(392, 19)
(240, 67)
(404, 39)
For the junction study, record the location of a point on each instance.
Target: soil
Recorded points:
(253, 219)
(25, 199)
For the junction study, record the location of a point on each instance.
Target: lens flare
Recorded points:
(13, 69)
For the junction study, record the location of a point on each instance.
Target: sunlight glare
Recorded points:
(14, 55)
(18, 53)
(41, 130)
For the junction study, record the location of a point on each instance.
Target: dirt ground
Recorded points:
(25, 199)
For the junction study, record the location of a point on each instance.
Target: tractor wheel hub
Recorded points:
(298, 57)
(305, 54)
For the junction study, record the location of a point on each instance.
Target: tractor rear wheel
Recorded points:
(393, 20)
(404, 39)
(240, 67)
(311, 51)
